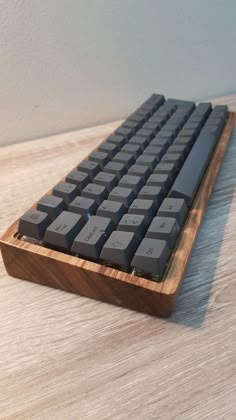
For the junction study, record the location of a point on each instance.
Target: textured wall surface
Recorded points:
(68, 64)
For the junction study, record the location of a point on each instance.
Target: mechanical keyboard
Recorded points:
(120, 226)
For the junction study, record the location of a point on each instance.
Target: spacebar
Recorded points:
(190, 176)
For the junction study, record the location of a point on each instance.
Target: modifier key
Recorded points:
(120, 248)
(33, 224)
(151, 257)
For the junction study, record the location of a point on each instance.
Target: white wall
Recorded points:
(66, 64)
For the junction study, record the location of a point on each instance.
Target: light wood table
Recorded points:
(63, 356)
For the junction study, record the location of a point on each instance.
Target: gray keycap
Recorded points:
(98, 193)
(152, 193)
(89, 167)
(86, 207)
(80, 179)
(135, 125)
(133, 223)
(147, 208)
(166, 168)
(110, 148)
(101, 157)
(183, 141)
(151, 257)
(117, 168)
(89, 242)
(33, 224)
(125, 131)
(175, 158)
(51, 205)
(190, 176)
(109, 181)
(64, 229)
(180, 149)
(124, 195)
(132, 149)
(154, 151)
(145, 132)
(154, 126)
(114, 210)
(66, 191)
(120, 248)
(125, 158)
(140, 170)
(131, 181)
(165, 228)
(163, 143)
(142, 142)
(147, 160)
(164, 134)
(160, 180)
(117, 139)
(174, 207)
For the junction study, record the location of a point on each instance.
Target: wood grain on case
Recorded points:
(52, 268)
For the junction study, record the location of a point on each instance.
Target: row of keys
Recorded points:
(97, 238)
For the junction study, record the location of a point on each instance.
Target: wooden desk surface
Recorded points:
(63, 356)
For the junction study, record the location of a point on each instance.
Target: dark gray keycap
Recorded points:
(154, 151)
(138, 117)
(179, 149)
(160, 180)
(89, 242)
(86, 207)
(190, 176)
(66, 191)
(117, 139)
(89, 167)
(127, 132)
(144, 113)
(147, 208)
(183, 141)
(132, 181)
(33, 224)
(51, 205)
(147, 160)
(125, 158)
(166, 168)
(96, 192)
(133, 223)
(203, 108)
(108, 147)
(142, 142)
(134, 125)
(124, 195)
(174, 207)
(81, 179)
(140, 170)
(154, 126)
(120, 248)
(156, 99)
(191, 133)
(166, 134)
(165, 228)
(101, 157)
(107, 180)
(163, 143)
(152, 193)
(64, 229)
(175, 158)
(116, 168)
(151, 257)
(114, 210)
(147, 133)
(132, 149)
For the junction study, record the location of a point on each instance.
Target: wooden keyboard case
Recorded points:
(41, 265)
